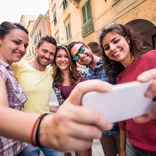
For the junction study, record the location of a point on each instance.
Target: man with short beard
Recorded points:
(35, 77)
(96, 70)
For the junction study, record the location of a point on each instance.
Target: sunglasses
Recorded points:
(80, 51)
(110, 25)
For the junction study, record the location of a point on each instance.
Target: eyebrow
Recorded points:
(110, 41)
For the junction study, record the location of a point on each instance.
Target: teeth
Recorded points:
(19, 54)
(115, 54)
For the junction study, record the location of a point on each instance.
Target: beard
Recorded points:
(40, 62)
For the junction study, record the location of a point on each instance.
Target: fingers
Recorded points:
(74, 144)
(83, 131)
(83, 115)
(147, 76)
(86, 86)
(142, 119)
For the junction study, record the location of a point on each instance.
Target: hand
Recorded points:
(74, 127)
(151, 92)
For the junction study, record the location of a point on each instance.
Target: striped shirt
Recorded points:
(100, 73)
(16, 99)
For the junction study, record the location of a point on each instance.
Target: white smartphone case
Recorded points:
(125, 101)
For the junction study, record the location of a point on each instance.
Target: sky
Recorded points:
(12, 10)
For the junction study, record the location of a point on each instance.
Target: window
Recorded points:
(57, 37)
(35, 39)
(86, 12)
(54, 18)
(88, 25)
(40, 35)
(65, 4)
(68, 29)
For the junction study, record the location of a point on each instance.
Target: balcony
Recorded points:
(88, 28)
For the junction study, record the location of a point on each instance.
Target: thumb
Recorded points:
(87, 86)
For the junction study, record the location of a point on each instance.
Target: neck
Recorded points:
(128, 61)
(65, 73)
(37, 66)
(95, 60)
(4, 60)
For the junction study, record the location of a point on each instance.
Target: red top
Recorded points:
(142, 136)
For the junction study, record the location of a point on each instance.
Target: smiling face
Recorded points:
(85, 58)
(117, 48)
(45, 54)
(13, 46)
(62, 60)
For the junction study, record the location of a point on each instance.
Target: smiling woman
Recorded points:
(127, 55)
(13, 42)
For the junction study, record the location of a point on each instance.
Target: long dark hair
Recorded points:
(57, 74)
(138, 46)
(6, 27)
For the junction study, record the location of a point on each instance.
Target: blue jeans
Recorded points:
(51, 152)
(30, 150)
(132, 151)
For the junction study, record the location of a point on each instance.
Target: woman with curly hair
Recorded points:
(127, 55)
(65, 73)
(66, 77)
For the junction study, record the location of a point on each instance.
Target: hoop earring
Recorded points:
(70, 68)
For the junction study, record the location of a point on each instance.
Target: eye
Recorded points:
(16, 42)
(106, 48)
(66, 56)
(116, 41)
(25, 46)
(58, 56)
(44, 51)
(52, 54)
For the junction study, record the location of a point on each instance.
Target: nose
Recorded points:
(22, 48)
(47, 55)
(62, 58)
(81, 55)
(112, 46)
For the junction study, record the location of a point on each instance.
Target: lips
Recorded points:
(116, 54)
(19, 54)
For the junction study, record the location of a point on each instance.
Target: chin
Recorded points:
(16, 60)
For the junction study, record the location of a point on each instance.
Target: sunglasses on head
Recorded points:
(80, 51)
(110, 25)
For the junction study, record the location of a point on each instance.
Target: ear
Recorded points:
(127, 39)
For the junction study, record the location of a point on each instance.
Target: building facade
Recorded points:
(81, 20)
(38, 26)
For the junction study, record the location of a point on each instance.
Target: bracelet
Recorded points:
(33, 129)
(37, 136)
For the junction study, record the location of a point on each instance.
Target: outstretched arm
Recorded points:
(71, 128)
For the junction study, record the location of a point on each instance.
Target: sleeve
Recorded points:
(122, 125)
(2, 73)
(149, 60)
(58, 95)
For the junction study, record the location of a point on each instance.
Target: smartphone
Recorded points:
(125, 101)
